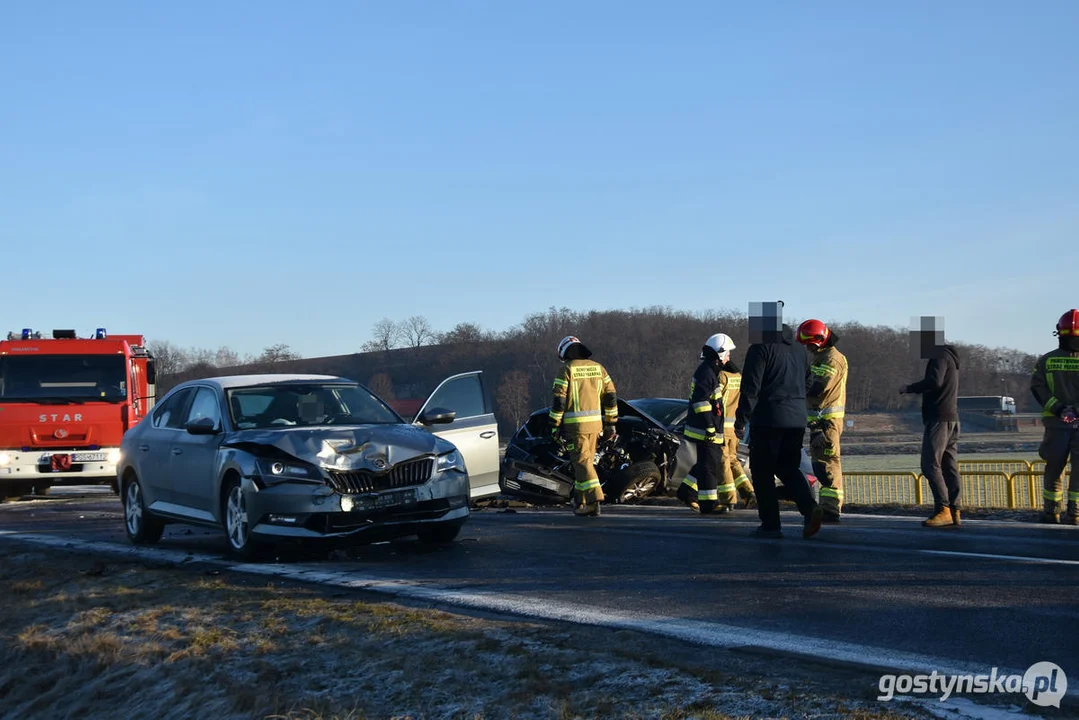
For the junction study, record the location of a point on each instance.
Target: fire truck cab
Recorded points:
(65, 404)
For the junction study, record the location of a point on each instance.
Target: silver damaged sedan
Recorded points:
(306, 457)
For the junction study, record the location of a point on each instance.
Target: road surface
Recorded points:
(874, 590)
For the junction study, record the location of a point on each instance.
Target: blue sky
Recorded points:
(249, 173)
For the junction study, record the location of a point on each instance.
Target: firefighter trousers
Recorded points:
(742, 486)
(581, 447)
(824, 438)
(702, 481)
(1057, 445)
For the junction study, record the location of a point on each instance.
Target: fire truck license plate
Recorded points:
(89, 457)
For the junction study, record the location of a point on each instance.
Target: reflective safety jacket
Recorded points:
(1055, 385)
(826, 396)
(584, 398)
(704, 422)
(730, 390)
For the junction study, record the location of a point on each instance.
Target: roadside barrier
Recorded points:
(887, 488)
(1003, 483)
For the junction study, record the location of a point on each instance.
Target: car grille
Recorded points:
(406, 474)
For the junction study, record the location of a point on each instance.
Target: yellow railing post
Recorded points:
(917, 489)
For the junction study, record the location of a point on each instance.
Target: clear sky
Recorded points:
(248, 173)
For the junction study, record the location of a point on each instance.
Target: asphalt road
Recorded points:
(989, 594)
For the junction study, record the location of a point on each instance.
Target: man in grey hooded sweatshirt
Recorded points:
(940, 415)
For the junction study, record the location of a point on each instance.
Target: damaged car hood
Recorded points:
(351, 447)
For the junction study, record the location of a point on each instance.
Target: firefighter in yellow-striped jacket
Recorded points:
(704, 428)
(730, 388)
(826, 398)
(584, 404)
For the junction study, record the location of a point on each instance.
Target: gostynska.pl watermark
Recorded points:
(1044, 684)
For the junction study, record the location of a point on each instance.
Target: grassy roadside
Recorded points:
(93, 638)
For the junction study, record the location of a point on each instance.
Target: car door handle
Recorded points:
(487, 435)
(177, 451)
(144, 448)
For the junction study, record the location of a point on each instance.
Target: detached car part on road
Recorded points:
(647, 458)
(307, 458)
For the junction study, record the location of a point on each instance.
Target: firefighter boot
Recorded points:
(1072, 518)
(684, 495)
(942, 518)
(1050, 514)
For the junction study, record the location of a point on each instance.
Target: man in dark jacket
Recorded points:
(940, 415)
(774, 381)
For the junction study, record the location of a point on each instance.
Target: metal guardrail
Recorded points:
(1004, 483)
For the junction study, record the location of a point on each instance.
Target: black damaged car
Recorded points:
(643, 459)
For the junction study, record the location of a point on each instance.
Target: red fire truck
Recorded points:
(65, 403)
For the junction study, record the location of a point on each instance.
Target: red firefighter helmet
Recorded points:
(813, 332)
(1068, 324)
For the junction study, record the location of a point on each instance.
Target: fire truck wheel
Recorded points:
(15, 491)
(142, 527)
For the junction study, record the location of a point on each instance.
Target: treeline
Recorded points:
(648, 352)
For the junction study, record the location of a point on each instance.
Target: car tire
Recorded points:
(438, 534)
(634, 483)
(237, 530)
(141, 526)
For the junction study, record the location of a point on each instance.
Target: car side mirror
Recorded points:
(437, 416)
(202, 426)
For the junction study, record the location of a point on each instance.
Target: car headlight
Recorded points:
(282, 470)
(113, 456)
(451, 461)
(5, 459)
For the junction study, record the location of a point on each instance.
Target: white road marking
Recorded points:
(693, 631)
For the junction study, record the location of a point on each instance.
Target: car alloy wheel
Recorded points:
(236, 518)
(133, 508)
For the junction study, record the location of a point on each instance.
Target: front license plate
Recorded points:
(405, 497)
(89, 457)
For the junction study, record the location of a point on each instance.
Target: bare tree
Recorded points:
(514, 396)
(169, 359)
(416, 332)
(381, 384)
(277, 353)
(386, 334)
(462, 333)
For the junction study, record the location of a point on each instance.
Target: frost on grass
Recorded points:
(128, 640)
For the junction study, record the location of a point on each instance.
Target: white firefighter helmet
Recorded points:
(719, 342)
(566, 343)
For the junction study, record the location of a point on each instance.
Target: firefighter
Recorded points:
(730, 387)
(826, 397)
(1055, 385)
(704, 429)
(584, 404)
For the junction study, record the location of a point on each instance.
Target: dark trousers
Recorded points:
(940, 463)
(778, 452)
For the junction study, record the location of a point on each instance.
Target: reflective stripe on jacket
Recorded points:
(705, 417)
(1055, 384)
(730, 388)
(583, 397)
(826, 396)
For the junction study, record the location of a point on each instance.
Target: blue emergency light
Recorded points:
(27, 333)
(100, 334)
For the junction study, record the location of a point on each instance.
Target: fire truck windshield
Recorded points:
(62, 378)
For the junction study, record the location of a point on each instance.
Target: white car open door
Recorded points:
(474, 430)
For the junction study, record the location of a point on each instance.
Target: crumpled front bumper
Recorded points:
(305, 511)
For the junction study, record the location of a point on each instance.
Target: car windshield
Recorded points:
(63, 378)
(307, 405)
(664, 410)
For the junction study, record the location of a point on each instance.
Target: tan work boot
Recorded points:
(1050, 518)
(943, 518)
(955, 517)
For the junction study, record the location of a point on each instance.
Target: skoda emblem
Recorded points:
(380, 463)
(60, 434)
